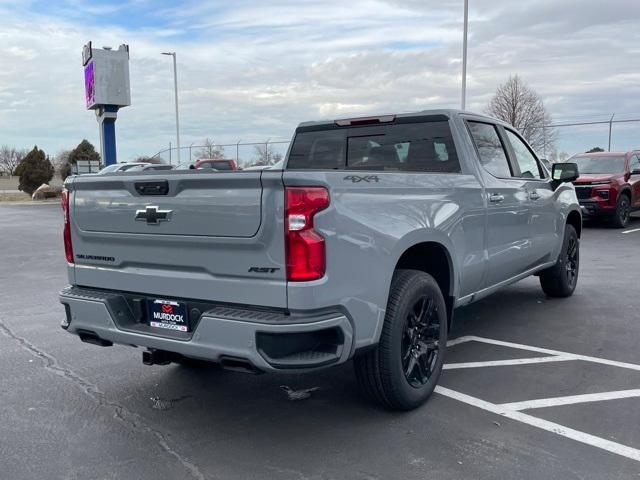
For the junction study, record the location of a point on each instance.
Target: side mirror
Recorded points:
(564, 172)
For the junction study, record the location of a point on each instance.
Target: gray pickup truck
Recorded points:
(360, 247)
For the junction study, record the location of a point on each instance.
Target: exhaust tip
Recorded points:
(93, 338)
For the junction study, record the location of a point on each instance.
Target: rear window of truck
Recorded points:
(415, 147)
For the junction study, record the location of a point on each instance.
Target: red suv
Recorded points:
(609, 184)
(220, 164)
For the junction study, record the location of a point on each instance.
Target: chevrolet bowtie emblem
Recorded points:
(153, 215)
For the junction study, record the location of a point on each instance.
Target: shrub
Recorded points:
(34, 170)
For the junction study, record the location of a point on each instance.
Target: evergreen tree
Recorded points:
(34, 170)
(84, 151)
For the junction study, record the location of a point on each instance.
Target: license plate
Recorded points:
(168, 314)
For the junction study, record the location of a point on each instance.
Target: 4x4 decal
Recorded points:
(363, 178)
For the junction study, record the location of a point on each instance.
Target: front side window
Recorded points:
(529, 167)
(417, 147)
(634, 164)
(492, 155)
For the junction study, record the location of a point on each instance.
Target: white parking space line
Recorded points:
(632, 230)
(502, 363)
(556, 428)
(513, 410)
(571, 399)
(459, 340)
(586, 358)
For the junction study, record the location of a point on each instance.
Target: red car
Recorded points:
(220, 164)
(609, 184)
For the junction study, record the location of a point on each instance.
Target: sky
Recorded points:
(251, 70)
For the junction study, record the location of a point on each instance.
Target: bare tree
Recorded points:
(10, 158)
(60, 161)
(210, 150)
(264, 156)
(517, 103)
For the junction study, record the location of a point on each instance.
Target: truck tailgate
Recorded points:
(217, 206)
(210, 236)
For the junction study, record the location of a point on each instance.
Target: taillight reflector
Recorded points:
(305, 248)
(68, 247)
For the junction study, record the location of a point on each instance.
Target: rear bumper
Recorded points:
(268, 340)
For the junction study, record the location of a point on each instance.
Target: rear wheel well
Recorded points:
(432, 258)
(575, 221)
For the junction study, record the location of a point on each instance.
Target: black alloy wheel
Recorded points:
(623, 212)
(571, 262)
(420, 347)
(561, 279)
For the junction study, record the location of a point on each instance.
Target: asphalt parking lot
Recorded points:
(534, 388)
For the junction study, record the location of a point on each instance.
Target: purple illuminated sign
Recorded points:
(89, 85)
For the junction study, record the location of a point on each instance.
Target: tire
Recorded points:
(623, 210)
(561, 279)
(413, 340)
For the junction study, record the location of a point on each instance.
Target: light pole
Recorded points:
(610, 125)
(175, 87)
(464, 54)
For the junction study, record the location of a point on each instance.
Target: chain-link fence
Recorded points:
(245, 154)
(607, 131)
(603, 130)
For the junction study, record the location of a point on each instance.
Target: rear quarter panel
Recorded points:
(369, 225)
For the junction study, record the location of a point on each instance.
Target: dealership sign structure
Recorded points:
(107, 89)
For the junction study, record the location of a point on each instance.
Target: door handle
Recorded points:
(534, 195)
(496, 198)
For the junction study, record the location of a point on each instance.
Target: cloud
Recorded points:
(253, 70)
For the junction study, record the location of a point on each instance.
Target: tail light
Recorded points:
(68, 247)
(305, 249)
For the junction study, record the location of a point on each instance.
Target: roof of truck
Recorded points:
(448, 112)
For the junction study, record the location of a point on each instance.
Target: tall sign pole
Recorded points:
(464, 54)
(107, 89)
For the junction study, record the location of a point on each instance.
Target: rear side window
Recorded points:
(417, 147)
(323, 150)
(492, 155)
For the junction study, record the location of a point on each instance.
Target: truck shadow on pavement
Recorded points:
(220, 398)
(212, 414)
